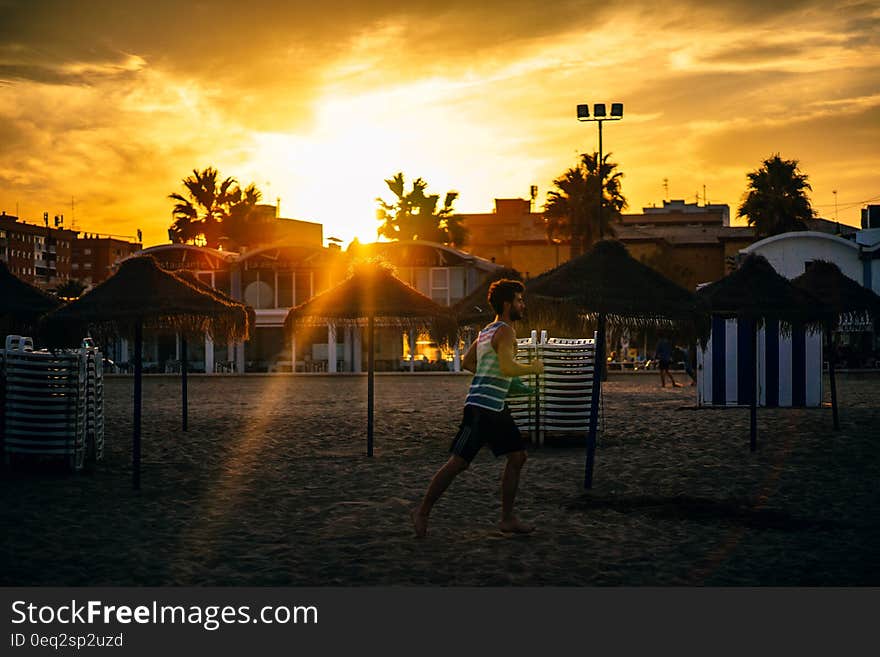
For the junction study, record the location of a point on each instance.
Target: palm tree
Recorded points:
(776, 200)
(211, 209)
(70, 289)
(572, 209)
(241, 223)
(414, 214)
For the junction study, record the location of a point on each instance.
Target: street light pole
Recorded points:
(601, 184)
(600, 116)
(599, 373)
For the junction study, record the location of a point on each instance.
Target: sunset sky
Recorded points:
(114, 102)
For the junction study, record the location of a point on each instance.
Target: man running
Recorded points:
(487, 417)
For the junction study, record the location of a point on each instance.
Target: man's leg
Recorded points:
(509, 485)
(439, 483)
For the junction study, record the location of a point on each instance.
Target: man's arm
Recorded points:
(504, 342)
(469, 362)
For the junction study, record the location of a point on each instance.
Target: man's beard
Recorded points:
(515, 315)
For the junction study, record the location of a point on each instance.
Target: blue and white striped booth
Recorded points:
(789, 366)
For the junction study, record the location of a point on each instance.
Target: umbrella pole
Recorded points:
(594, 404)
(183, 381)
(371, 366)
(136, 438)
(833, 379)
(753, 410)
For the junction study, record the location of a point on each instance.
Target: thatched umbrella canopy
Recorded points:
(610, 285)
(756, 292)
(200, 285)
(608, 281)
(847, 301)
(197, 283)
(143, 295)
(372, 292)
(21, 304)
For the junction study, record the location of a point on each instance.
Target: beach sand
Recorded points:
(271, 486)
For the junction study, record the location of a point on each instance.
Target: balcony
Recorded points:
(271, 316)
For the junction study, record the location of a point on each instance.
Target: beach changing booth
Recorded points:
(561, 400)
(53, 403)
(789, 366)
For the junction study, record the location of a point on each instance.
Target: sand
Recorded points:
(271, 486)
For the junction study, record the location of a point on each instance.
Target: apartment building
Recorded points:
(40, 255)
(94, 256)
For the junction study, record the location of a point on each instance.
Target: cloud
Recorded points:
(114, 102)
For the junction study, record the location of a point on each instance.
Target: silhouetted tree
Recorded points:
(572, 209)
(211, 209)
(70, 289)
(242, 225)
(414, 214)
(776, 200)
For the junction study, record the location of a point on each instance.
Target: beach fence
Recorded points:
(53, 403)
(789, 366)
(559, 406)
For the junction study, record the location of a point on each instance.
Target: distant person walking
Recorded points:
(487, 417)
(663, 354)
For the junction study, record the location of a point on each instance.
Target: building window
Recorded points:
(285, 289)
(440, 285)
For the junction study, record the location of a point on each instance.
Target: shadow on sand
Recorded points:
(743, 511)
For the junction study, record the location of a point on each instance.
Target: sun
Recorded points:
(333, 173)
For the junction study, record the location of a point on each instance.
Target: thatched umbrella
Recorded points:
(372, 292)
(196, 282)
(143, 295)
(846, 299)
(21, 304)
(756, 292)
(610, 285)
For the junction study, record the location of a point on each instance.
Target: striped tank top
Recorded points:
(489, 387)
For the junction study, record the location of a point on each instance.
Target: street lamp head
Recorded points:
(617, 110)
(583, 112)
(599, 110)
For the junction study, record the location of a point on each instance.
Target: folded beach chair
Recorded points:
(53, 406)
(560, 404)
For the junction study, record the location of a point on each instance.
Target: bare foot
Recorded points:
(514, 526)
(676, 385)
(420, 523)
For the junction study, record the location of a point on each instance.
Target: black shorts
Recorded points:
(480, 426)
(664, 364)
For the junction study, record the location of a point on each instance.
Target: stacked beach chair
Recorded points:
(562, 398)
(53, 403)
(94, 403)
